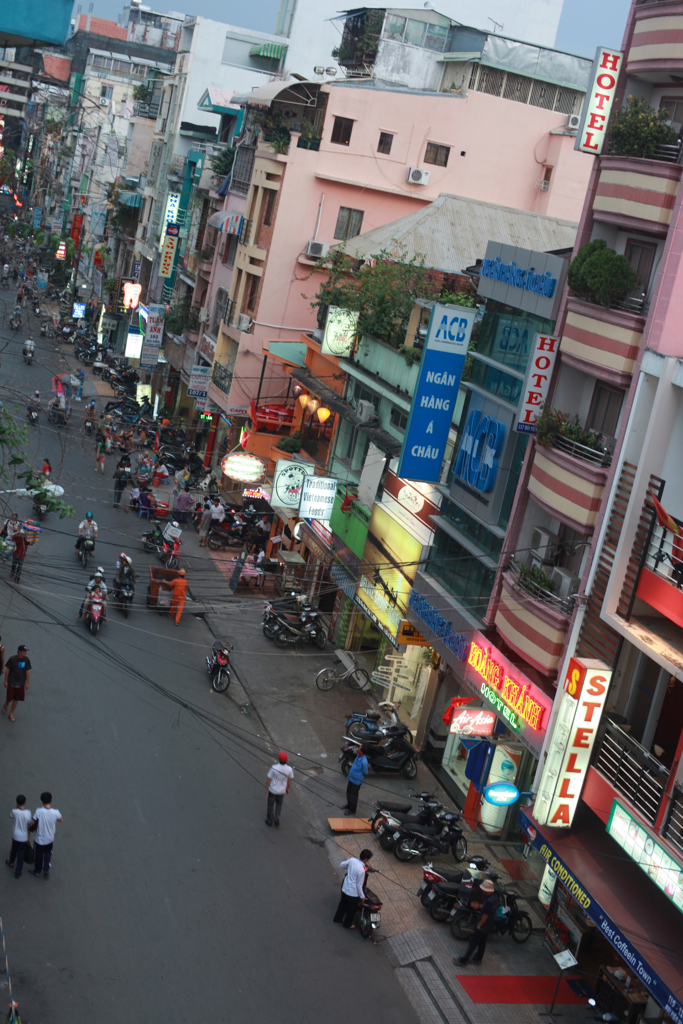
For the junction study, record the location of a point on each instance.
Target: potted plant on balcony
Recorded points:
(291, 443)
(310, 136)
(597, 274)
(275, 129)
(536, 581)
(637, 129)
(553, 424)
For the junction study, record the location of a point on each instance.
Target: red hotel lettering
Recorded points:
(596, 686)
(607, 58)
(591, 705)
(561, 814)
(527, 417)
(538, 377)
(589, 140)
(609, 84)
(564, 790)
(601, 97)
(534, 398)
(546, 344)
(594, 121)
(582, 737)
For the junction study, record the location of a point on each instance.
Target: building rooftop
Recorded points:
(100, 27)
(451, 233)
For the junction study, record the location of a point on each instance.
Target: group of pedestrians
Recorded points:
(43, 823)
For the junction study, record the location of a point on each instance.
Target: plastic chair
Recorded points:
(145, 507)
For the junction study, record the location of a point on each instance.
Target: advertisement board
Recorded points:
(600, 93)
(76, 228)
(288, 482)
(436, 390)
(168, 250)
(149, 356)
(537, 382)
(133, 343)
(340, 331)
(317, 497)
(155, 324)
(199, 382)
(390, 560)
(523, 278)
(656, 862)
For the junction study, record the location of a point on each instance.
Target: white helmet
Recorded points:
(174, 523)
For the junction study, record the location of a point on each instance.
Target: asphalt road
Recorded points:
(169, 899)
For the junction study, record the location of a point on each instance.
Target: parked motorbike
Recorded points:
(309, 632)
(444, 895)
(167, 548)
(86, 551)
(124, 592)
(389, 831)
(218, 665)
(46, 329)
(363, 722)
(508, 918)
(94, 615)
(394, 758)
(433, 876)
(221, 536)
(368, 916)
(429, 840)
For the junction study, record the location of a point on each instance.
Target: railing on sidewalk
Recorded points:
(631, 769)
(673, 830)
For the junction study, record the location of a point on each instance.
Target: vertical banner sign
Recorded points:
(578, 717)
(168, 250)
(155, 324)
(537, 381)
(436, 390)
(602, 87)
(136, 269)
(37, 217)
(76, 228)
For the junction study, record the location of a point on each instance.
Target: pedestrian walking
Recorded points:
(352, 888)
(45, 818)
(100, 452)
(278, 784)
(184, 503)
(205, 525)
(179, 588)
(19, 554)
(356, 777)
(21, 818)
(17, 671)
(484, 925)
(47, 469)
(120, 482)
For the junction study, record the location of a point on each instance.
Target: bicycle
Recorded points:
(357, 677)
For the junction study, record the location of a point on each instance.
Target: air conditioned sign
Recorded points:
(600, 95)
(583, 699)
(537, 382)
(431, 411)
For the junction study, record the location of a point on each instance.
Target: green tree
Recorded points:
(14, 469)
(597, 274)
(223, 161)
(637, 129)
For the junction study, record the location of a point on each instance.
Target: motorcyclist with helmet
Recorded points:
(124, 568)
(33, 403)
(29, 349)
(87, 530)
(96, 580)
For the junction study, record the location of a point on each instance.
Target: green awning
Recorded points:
(274, 50)
(130, 199)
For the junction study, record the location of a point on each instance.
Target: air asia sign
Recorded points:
(578, 717)
(431, 411)
(473, 722)
(536, 382)
(521, 705)
(599, 99)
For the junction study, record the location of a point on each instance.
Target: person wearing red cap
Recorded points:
(278, 784)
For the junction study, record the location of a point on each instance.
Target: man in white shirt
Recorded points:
(352, 888)
(21, 819)
(278, 784)
(47, 817)
(217, 511)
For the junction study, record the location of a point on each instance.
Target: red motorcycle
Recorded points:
(95, 614)
(166, 543)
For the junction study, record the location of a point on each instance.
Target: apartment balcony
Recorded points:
(206, 259)
(221, 378)
(533, 621)
(656, 49)
(631, 769)
(637, 193)
(568, 481)
(602, 342)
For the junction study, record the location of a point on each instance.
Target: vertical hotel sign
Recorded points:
(431, 411)
(569, 752)
(600, 95)
(168, 250)
(537, 382)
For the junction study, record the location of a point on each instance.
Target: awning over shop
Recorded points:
(130, 199)
(274, 50)
(228, 222)
(629, 910)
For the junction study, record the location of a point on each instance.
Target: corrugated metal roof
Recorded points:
(451, 233)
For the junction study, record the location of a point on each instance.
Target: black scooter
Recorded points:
(124, 592)
(390, 833)
(426, 841)
(432, 877)
(310, 632)
(446, 894)
(396, 757)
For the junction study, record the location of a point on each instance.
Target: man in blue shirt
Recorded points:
(359, 769)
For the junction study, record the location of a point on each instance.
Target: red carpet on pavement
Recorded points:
(514, 988)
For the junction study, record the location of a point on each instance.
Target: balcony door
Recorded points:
(648, 690)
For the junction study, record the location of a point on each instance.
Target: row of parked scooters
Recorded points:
(291, 622)
(449, 896)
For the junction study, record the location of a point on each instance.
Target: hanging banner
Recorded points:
(168, 250)
(317, 497)
(76, 228)
(537, 382)
(602, 87)
(149, 356)
(37, 217)
(199, 382)
(155, 324)
(436, 390)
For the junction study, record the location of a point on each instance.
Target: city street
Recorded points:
(169, 899)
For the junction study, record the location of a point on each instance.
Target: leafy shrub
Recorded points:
(552, 423)
(291, 444)
(223, 161)
(637, 129)
(535, 579)
(597, 274)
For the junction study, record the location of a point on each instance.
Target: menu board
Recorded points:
(655, 861)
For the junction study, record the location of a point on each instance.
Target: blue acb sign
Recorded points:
(433, 405)
(480, 447)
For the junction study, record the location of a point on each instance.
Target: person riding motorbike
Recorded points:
(124, 568)
(90, 414)
(34, 403)
(96, 580)
(95, 595)
(29, 348)
(87, 530)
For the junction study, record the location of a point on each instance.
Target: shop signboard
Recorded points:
(583, 698)
(537, 382)
(390, 561)
(317, 497)
(155, 324)
(149, 356)
(647, 852)
(409, 636)
(519, 703)
(134, 342)
(473, 722)
(457, 643)
(435, 394)
(244, 467)
(199, 382)
(660, 992)
(413, 504)
(78, 310)
(76, 228)
(37, 217)
(168, 249)
(501, 794)
(602, 87)
(288, 482)
(523, 278)
(340, 331)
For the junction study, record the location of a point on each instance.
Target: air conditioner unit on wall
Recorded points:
(317, 249)
(104, 101)
(366, 411)
(573, 122)
(565, 583)
(416, 176)
(544, 544)
(243, 322)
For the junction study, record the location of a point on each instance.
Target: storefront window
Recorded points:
(507, 334)
(460, 572)
(489, 543)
